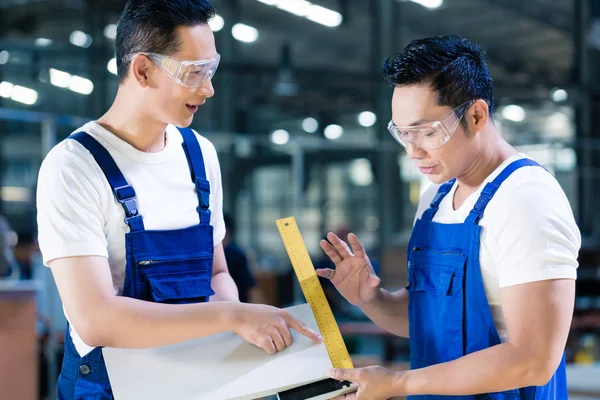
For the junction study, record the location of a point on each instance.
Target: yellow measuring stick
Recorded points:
(313, 292)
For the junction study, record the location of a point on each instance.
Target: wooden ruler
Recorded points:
(313, 292)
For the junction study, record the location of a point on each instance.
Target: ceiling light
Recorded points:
(333, 132)
(112, 66)
(59, 78)
(244, 33)
(72, 82)
(80, 39)
(513, 113)
(310, 125)
(312, 12)
(280, 137)
(81, 85)
(367, 119)
(559, 95)
(4, 56)
(431, 4)
(6, 89)
(42, 42)
(24, 95)
(110, 31)
(296, 7)
(217, 23)
(324, 16)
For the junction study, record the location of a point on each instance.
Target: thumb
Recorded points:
(374, 281)
(342, 374)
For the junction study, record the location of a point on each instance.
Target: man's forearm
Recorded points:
(495, 369)
(224, 288)
(390, 311)
(123, 322)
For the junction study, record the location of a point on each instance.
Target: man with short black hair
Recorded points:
(492, 259)
(130, 208)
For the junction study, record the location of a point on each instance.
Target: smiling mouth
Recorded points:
(192, 108)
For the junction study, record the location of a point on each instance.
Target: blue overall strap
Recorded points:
(122, 190)
(192, 150)
(435, 203)
(490, 188)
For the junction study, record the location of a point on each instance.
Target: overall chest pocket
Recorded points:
(176, 280)
(436, 306)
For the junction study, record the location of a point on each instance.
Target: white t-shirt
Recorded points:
(79, 216)
(528, 231)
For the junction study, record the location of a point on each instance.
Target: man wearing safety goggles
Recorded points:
(492, 258)
(130, 208)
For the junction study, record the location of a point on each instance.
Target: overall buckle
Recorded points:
(126, 196)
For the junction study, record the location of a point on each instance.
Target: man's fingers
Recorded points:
(331, 252)
(325, 273)
(341, 246)
(286, 335)
(267, 345)
(357, 247)
(300, 327)
(277, 339)
(343, 374)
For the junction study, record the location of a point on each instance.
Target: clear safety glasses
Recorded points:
(431, 135)
(190, 74)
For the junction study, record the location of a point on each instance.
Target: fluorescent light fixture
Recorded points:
(15, 194)
(324, 16)
(559, 95)
(72, 82)
(310, 11)
(217, 23)
(4, 56)
(431, 4)
(333, 132)
(361, 173)
(112, 66)
(244, 33)
(310, 125)
(514, 113)
(43, 42)
(24, 95)
(59, 78)
(280, 136)
(6, 89)
(296, 7)
(80, 39)
(367, 119)
(81, 85)
(110, 31)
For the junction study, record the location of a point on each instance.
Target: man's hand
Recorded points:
(374, 383)
(353, 275)
(269, 327)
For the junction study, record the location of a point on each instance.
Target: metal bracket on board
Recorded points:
(320, 390)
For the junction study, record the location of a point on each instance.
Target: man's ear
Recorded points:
(478, 116)
(139, 69)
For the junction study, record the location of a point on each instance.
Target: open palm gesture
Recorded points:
(353, 275)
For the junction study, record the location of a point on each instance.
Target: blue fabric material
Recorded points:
(172, 266)
(449, 314)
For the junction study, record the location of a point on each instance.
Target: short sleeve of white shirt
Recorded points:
(538, 238)
(71, 206)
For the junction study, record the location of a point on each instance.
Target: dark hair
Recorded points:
(150, 25)
(454, 67)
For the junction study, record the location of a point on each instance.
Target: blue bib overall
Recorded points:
(173, 266)
(448, 310)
